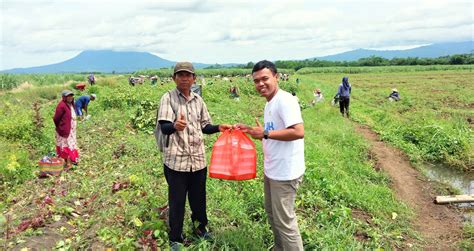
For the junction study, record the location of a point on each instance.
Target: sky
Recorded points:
(41, 32)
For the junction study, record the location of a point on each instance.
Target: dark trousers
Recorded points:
(344, 105)
(181, 184)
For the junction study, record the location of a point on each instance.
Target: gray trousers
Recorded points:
(280, 208)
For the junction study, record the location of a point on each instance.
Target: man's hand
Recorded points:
(243, 127)
(180, 124)
(257, 132)
(224, 127)
(254, 132)
(257, 122)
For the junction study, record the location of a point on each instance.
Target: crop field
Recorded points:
(115, 195)
(432, 122)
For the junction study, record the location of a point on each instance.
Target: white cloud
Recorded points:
(38, 32)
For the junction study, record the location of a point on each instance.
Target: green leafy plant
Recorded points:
(8, 81)
(145, 116)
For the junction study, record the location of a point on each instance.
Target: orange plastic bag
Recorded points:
(233, 157)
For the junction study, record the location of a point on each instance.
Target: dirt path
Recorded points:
(439, 225)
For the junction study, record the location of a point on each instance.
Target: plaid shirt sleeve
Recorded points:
(166, 111)
(205, 117)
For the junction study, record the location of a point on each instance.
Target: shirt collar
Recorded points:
(191, 96)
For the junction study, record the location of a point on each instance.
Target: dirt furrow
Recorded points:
(439, 225)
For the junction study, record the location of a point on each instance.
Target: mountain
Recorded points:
(103, 61)
(428, 51)
(108, 61)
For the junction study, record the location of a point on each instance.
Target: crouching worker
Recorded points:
(82, 103)
(234, 93)
(183, 118)
(318, 96)
(394, 96)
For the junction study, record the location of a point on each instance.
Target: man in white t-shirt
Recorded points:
(283, 148)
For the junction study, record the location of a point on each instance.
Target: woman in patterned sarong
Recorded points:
(65, 122)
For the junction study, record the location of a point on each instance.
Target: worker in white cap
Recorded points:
(394, 96)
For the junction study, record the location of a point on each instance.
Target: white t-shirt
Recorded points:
(284, 160)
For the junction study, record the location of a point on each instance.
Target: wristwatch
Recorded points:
(265, 134)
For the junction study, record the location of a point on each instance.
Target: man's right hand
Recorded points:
(255, 132)
(243, 127)
(180, 124)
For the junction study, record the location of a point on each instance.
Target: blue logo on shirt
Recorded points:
(269, 126)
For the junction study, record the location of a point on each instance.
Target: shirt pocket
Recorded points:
(195, 136)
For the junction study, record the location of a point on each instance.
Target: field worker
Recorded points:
(82, 103)
(196, 89)
(318, 96)
(394, 96)
(344, 93)
(183, 116)
(203, 80)
(283, 148)
(91, 79)
(234, 93)
(154, 79)
(65, 124)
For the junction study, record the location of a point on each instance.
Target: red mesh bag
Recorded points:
(233, 157)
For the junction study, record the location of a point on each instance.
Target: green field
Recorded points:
(343, 202)
(432, 122)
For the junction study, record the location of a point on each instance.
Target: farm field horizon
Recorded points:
(345, 201)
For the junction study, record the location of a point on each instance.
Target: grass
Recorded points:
(342, 204)
(430, 123)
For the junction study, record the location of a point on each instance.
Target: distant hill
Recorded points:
(108, 61)
(103, 61)
(429, 51)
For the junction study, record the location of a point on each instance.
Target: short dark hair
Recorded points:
(265, 64)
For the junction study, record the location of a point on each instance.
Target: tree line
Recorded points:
(458, 59)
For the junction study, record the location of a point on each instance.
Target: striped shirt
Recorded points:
(185, 152)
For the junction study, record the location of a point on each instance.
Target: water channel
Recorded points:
(462, 181)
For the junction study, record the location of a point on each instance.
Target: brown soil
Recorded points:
(440, 226)
(46, 241)
(361, 215)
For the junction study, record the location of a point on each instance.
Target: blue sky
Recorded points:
(40, 32)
